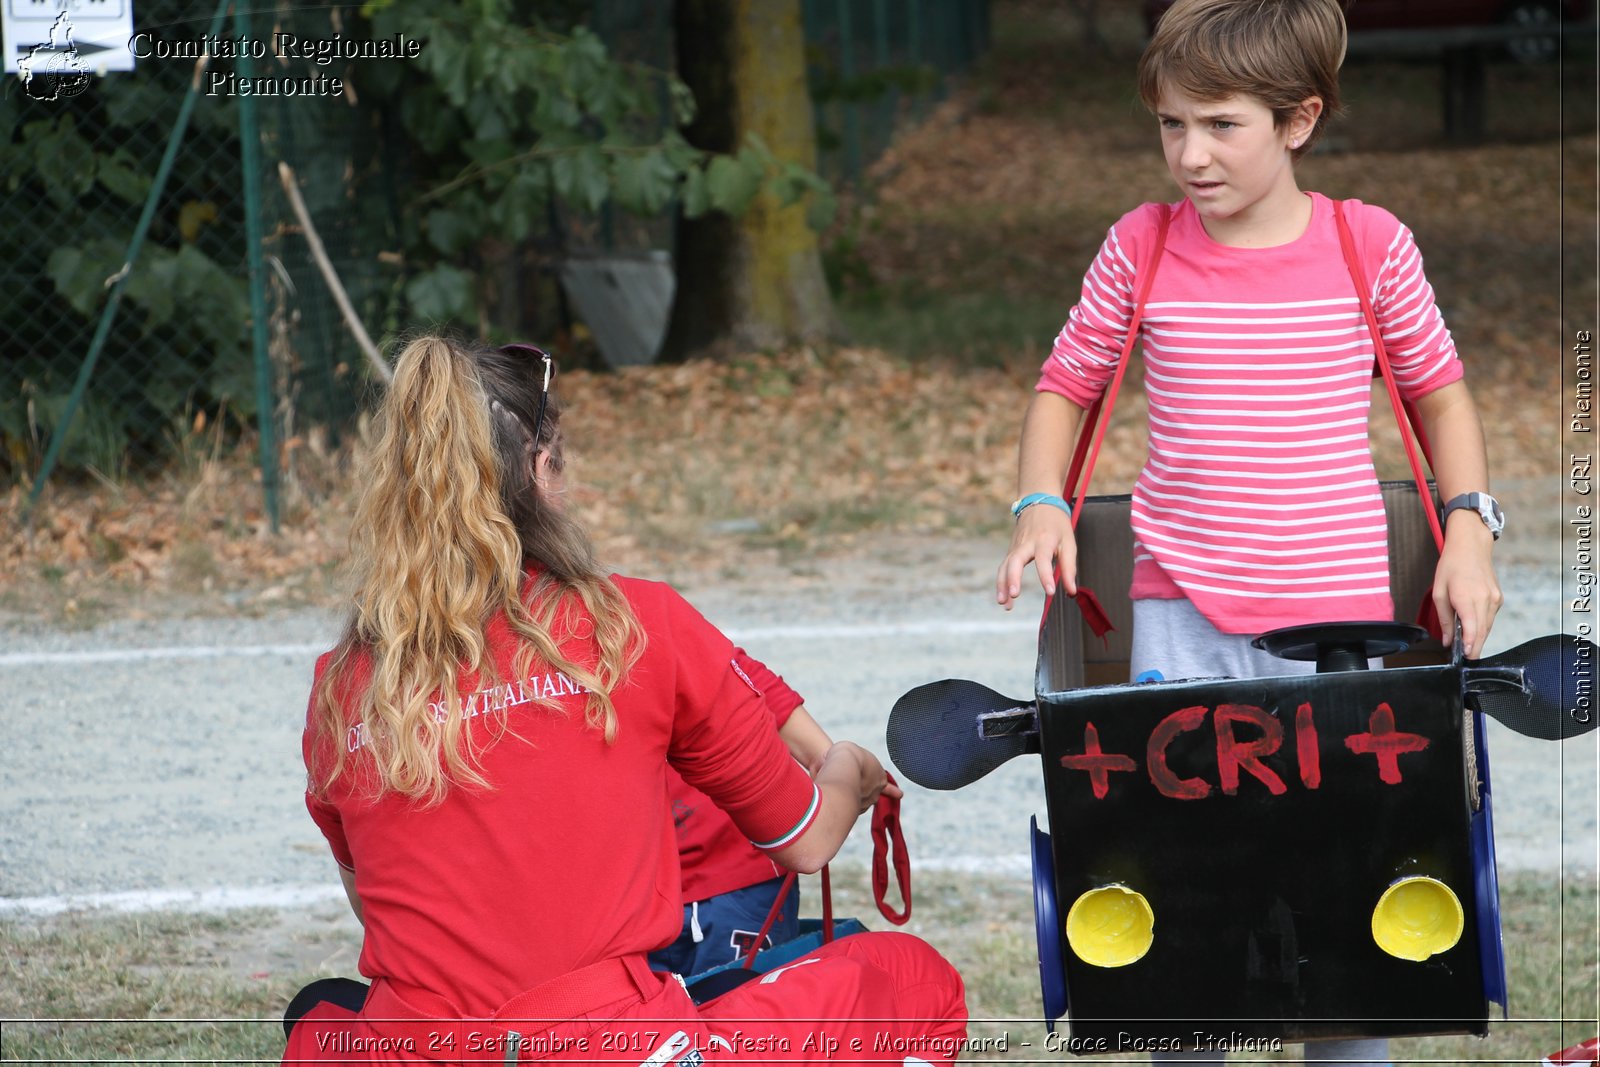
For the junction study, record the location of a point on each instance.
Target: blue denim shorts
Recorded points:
(727, 926)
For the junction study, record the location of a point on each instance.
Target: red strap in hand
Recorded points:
(772, 916)
(827, 905)
(886, 825)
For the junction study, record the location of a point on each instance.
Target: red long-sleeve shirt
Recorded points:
(570, 857)
(714, 856)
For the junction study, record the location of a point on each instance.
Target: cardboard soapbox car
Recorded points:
(1298, 857)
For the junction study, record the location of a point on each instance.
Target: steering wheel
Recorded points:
(1340, 646)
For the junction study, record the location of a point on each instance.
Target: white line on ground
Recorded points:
(234, 898)
(224, 898)
(930, 628)
(147, 655)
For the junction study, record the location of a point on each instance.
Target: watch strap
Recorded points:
(1486, 506)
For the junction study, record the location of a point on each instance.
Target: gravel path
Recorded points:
(147, 772)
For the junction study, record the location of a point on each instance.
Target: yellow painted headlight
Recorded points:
(1111, 926)
(1416, 918)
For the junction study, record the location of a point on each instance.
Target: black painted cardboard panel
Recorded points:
(1263, 893)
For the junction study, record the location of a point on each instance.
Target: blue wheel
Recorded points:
(1491, 948)
(1047, 927)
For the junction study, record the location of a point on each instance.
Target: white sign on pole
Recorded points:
(66, 38)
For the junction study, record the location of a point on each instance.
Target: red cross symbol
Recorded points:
(1098, 764)
(1386, 743)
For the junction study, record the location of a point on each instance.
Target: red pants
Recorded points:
(872, 998)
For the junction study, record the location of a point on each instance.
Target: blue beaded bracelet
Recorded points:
(1039, 498)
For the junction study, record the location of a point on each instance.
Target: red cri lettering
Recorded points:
(1245, 754)
(1166, 730)
(1234, 755)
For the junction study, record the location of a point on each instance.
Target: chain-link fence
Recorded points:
(133, 320)
(85, 164)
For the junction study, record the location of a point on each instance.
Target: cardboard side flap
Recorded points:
(1071, 656)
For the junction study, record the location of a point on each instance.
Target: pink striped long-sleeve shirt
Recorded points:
(1258, 501)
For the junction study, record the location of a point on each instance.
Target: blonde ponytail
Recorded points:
(447, 518)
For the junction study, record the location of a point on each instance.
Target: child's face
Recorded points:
(1229, 158)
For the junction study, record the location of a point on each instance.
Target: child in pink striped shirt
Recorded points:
(1259, 506)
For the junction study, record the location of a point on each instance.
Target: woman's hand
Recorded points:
(847, 764)
(850, 780)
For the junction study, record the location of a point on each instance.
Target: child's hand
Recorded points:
(1464, 584)
(1043, 537)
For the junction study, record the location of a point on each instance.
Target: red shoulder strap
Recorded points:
(1093, 431)
(1098, 418)
(1404, 415)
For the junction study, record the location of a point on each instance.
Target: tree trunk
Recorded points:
(755, 281)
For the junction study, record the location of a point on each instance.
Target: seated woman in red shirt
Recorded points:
(729, 885)
(487, 748)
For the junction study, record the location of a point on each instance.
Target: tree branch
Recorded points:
(325, 265)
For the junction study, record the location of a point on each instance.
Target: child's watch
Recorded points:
(1487, 507)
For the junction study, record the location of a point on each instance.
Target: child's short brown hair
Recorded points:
(1277, 51)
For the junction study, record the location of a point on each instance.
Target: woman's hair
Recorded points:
(449, 515)
(1278, 51)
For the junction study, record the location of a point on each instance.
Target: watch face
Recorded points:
(1489, 508)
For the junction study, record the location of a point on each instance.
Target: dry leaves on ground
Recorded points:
(811, 451)
(690, 463)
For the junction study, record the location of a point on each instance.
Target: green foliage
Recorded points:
(83, 171)
(438, 293)
(511, 114)
(731, 182)
(513, 118)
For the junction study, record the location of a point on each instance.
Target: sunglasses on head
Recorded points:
(534, 352)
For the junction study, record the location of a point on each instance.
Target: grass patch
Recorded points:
(978, 329)
(177, 988)
(155, 987)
